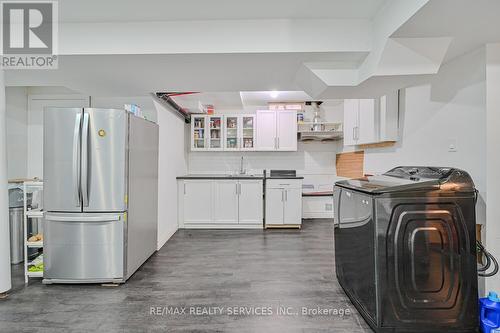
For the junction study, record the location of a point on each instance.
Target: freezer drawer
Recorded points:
(85, 248)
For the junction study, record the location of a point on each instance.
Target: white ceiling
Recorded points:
(359, 49)
(220, 100)
(174, 10)
(257, 98)
(469, 23)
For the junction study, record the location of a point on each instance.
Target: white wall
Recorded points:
(145, 102)
(451, 109)
(172, 163)
(17, 132)
(24, 132)
(313, 160)
(493, 157)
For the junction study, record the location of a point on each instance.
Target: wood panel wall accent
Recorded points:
(350, 165)
(384, 144)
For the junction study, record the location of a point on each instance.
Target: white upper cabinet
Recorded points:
(240, 132)
(389, 117)
(371, 120)
(232, 129)
(287, 130)
(198, 133)
(367, 122)
(276, 130)
(266, 130)
(248, 132)
(215, 133)
(207, 133)
(219, 132)
(351, 112)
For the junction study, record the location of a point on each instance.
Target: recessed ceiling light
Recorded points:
(273, 94)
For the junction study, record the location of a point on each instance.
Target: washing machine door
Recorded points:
(431, 270)
(354, 248)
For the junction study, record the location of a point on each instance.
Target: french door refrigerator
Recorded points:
(100, 170)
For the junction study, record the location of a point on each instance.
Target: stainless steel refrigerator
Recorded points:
(100, 170)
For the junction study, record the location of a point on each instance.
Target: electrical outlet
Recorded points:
(452, 146)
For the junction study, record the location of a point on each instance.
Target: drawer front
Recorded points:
(284, 183)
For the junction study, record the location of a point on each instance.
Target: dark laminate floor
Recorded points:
(249, 268)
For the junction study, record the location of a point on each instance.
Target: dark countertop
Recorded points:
(219, 176)
(318, 194)
(286, 177)
(224, 176)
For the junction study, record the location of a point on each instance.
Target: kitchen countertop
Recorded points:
(285, 177)
(219, 176)
(225, 176)
(318, 194)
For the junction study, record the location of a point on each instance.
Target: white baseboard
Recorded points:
(222, 226)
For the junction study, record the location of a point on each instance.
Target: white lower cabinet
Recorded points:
(274, 206)
(197, 199)
(226, 201)
(283, 202)
(221, 203)
(293, 206)
(250, 202)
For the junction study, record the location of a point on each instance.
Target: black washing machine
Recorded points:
(405, 249)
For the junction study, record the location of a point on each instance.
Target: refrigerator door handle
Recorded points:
(76, 159)
(98, 218)
(85, 160)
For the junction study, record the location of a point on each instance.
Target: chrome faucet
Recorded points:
(242, 170)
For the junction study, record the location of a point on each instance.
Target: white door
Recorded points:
(266, 130)
(351, 109)
(198, 201)
(274, 205)
(367, 131)
(293, 206)
(287, 130)
(250, 202)
(37, 103)
(226, 201)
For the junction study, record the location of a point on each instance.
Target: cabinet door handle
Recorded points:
(286, 195)
(282, 195)
(278, 143)
(184, 188)
(354, 133)
(236, 189)
(239, 189)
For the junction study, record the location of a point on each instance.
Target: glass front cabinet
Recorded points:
(198, 133)
(232, 129)
(215, 137)
(248, 132)
(240, 133)
(218, 132)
